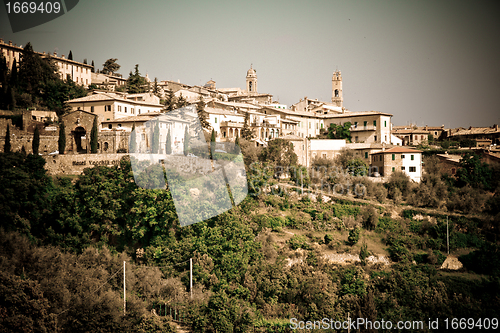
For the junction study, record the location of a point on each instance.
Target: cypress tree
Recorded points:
(246, 132)
(237, 145)
(133, 140)
(7, 147)
(202, 114)
(61, 142)
(70, 55)
(168, 144)
(36, 141)
(212, 143)
(13, 74)
(156, 138)
(186, 141)
(94, 137)
(93, 67)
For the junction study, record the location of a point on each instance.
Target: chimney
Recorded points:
(55, 53)
(62, 56)
(1, 40)
(496, 127)
(10, 43)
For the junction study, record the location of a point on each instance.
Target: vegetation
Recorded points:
(61, 141)
(35, 145)
(94, 140)
(340, 131)
(109, 67)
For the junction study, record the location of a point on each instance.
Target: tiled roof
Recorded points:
(398, 150)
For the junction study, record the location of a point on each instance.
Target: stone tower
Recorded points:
(251, 80)
(337, 98)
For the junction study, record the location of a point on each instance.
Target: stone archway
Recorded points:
(79, 135)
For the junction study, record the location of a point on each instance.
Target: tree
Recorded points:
(170, 101)
(13, 74)
(212, 143)
(70, 55)
(135, 82)
(7, 147)
(187, 137)
(93, 67)
(133, 140)
(155, 146)
(474, 172)
(61, 142)
(109, 67)
(94, 137)
(168, 144)
(202, 114)
(156, 88)
(280, 153)
(36, 141)
(340, 131)
(181, 102)
(246, 132)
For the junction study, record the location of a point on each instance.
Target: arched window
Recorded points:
(106, 146)
(336, 93)
(250, 86)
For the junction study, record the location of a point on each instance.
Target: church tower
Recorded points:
(251, 81)
(337, 98)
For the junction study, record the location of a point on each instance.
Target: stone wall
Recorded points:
(74, 164)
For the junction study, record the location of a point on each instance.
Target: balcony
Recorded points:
(363, 128)
(263, 124)
(231, 124)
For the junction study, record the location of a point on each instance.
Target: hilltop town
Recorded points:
(309, 124)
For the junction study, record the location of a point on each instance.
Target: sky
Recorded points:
(425, 62)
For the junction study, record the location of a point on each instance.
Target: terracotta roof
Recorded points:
(398, 150)
(109, 97)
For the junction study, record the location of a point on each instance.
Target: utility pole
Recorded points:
(191, 277)
(447, 235)
(124, 290)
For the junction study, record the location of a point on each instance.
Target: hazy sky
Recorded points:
(425, 62)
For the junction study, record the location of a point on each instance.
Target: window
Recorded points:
(309, 124)
(119, 108)
(323, 155)
(453, 171)
(107, 107)
(355, 124)
(413, 169)
(125, 109)
(365, 123)
(321, 125)
(216, 117)
(386, 138)
(393, 157)
(403, 168)
(110, 126)
(91, 109)
(412, 157)
(366, 154)
(355, 139)
(402, 156)
(385, 123)
(393, 169)
(375, 137)
(106, 146)
(374, 123)
(132, 110)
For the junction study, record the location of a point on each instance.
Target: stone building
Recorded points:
(337, 98)
(402, 159)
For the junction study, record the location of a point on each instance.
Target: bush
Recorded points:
(298, 242)
(328, 238)
(370, 217)
(353, 237)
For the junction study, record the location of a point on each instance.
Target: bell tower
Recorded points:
(251, 81)
(337, 98)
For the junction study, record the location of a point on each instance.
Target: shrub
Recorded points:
(328, 238)
(298, 242)
(353, 237)
(370, 217)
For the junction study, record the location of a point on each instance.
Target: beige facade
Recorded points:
(10, 52)
(366, 127)
(401, 159)
(109, 106)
